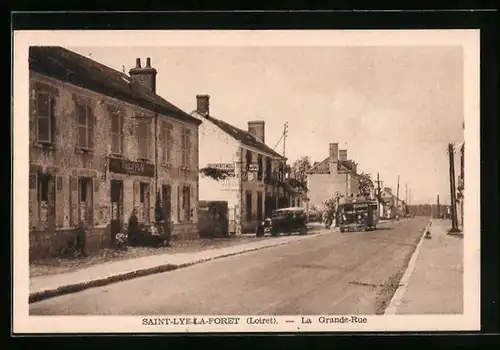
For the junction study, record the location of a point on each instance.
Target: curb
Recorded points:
(403, 283)
(80, 286)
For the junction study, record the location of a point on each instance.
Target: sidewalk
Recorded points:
(435, 286)
(43, 287)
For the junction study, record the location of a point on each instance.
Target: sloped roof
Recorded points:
(243, 136)
(323, 166)
(68, 66)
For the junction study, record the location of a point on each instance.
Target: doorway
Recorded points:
(116, 208)
(166, 196)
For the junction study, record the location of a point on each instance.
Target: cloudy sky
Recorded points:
(395, 109)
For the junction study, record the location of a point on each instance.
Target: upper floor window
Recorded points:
(268, 168)
(168, 142)
(186, 146)
(144, 139)
(260, 170)
(116, 133)
(248, 158)
(45, 117)
(85, 121)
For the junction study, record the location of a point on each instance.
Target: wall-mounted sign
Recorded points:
(129, 167)
(253, 168)
(222, 166)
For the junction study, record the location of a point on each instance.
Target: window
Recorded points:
(44, 113)
(85, 199)
(260, 171)
(116, 133)
(144, 139)
(85, 126)
(259, 206)
(248, 205)
(43, 188)
(144, 201)
(186, 146)
(186, 202)
(168, 142)
(248, 159)
(268, 168)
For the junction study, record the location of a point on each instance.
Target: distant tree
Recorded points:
(300, 168)
(365, 184)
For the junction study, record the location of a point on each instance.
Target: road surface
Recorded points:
(352, 273)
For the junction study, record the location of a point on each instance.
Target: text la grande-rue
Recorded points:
(334, 319)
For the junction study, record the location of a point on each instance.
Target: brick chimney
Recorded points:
(333, 156)
(146, 76)
(203, 104)
(257, 128)
(343, 154)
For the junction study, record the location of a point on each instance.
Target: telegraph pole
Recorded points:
(438, 210)
(285, 134)
(397, 194)
(378, 184)
(454, 224)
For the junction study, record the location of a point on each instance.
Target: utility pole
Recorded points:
(285, 134)
(378, 185)
(454, 224)
(397, 194)
(438, 210)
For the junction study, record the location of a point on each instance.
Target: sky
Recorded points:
(394, 109)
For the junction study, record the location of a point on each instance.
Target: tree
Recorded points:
(300, 168)
(365, 184)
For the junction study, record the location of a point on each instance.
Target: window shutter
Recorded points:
(137, 195)
(33, 197)
(95, 200)
(162, 141)
(53, 125)
(59, 201)
(179, 203)
(51, 214)
(91, 124)
(73, 190)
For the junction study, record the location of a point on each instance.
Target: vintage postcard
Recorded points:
(246, 181)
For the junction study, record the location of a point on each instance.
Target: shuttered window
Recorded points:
(186, 146)
(45, 117)
(116, 133)
(144, 139)
(167, 142)
(33, 200)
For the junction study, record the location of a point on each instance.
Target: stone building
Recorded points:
(255, 181)
(335, 175)
(101, 144)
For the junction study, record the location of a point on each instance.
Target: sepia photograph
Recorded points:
(246, 181)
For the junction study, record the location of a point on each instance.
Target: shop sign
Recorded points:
(129, 167)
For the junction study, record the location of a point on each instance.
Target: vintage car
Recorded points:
(358, 214)
(285, 220)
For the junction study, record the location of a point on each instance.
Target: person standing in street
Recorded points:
(81, 239)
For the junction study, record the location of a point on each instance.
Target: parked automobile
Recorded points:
(285, 220)
(314, 216)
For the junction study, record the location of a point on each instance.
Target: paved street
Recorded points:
(354, 273)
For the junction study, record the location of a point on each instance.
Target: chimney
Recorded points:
(146, 76)
(257, 129)
(333, 157)
(334, 152)
(203, 104)
(343, 154)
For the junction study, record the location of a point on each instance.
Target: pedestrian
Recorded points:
(81, 239)
(133, 227)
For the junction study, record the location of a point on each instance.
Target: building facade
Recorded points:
(255, 179)
(334, 176)
(102, 144)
